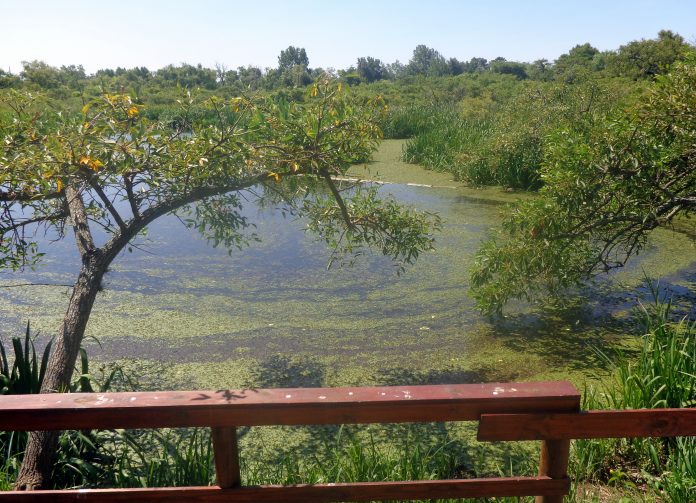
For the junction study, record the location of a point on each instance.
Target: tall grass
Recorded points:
(662, 375)
(81, 459)
(505, 143)
(409, 121)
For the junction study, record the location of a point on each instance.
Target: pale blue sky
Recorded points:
(155, 33)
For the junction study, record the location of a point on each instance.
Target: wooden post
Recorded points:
(226, 457)
(553, 463)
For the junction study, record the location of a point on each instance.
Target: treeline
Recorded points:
(636, 60)
(501, 133)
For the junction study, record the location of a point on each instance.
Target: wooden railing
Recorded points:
(547, 411)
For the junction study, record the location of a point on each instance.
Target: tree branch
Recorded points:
(75, 206)
(338, 197)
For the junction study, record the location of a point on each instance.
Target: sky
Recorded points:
(155, 33)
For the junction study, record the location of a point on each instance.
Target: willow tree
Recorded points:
(604, 191)
(111, 169)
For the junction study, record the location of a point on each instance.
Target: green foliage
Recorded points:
(605, 188)
(402, 235)
(427, 61)
(371, 69)
(81, 457)
(662, 375)
(27, 372)
(242, 142)
(161, 458)
(511, 68)
(649, 58)
(412, 121)
(292, 56)
(494, 143)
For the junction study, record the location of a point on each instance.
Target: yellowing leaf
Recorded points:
(275, 176)
(93, 164)
(59, 185)
(132, 112)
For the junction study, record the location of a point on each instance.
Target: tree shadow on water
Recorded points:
(599, 317)
(400, 376)
(281, 371)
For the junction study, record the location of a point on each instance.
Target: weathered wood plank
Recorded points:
(553, 463)
(226, 453)
(591, 424)
(360, 491)
(296, 406)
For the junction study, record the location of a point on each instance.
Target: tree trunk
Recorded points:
(42, 445)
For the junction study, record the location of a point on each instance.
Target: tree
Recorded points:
(648, 58)
(605, 190)
(8, 80)
(427, 61)
(292, 56)
(40, 74)
(371, 69)
(455, 67)
(475, 65)
(250, 77)
(510, 68)
(111, 168)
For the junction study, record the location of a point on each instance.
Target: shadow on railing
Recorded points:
(546, 411)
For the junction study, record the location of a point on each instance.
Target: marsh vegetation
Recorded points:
(471, 148)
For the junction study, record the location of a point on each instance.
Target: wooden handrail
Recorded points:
(637, 423)
(290, 406)
(223, 411)
(308, 493)
(547, 411)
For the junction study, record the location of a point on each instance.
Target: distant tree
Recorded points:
(475, 65)
(296, 76)
(455, 67)
(250, 77)
(395, 70)
(648, 58)
(540, 69)
(579, 61)
(40, 74)
(350, 76)
(371, 69)
(8, 80)
(188, 76)
(72, 75)
(510, 68)
(427, 61)
(292, 56)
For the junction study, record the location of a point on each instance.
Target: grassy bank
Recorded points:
(504, 142)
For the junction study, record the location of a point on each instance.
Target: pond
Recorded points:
(272, 315)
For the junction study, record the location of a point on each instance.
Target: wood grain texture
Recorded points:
(291, 406)
(553, 463)
(226, 453)
(361, 491)
(591, 424)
